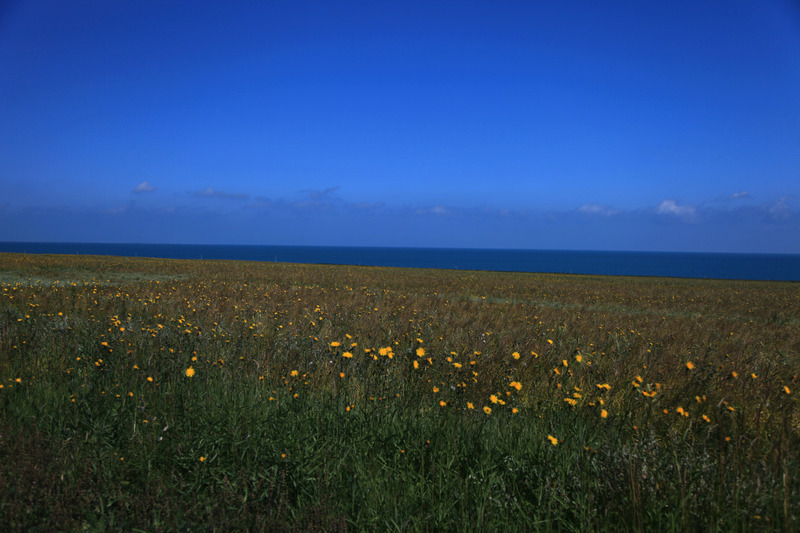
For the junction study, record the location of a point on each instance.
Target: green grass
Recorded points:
(278, 430)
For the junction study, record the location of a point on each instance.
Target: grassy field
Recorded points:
(167, 395)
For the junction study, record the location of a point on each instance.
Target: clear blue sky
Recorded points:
(657, 125)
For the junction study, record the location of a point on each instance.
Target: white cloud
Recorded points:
(314, 198)
(122, 210)
(438, 210)
(261, 202)
(671, 207)
(144, 187)
(213, 193)
(726, 199)
(594, 209)
(316, 195)
(780, 209)
(738, 195)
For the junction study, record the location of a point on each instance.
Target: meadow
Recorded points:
(174, 395)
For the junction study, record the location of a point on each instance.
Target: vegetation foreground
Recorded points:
(166, 395)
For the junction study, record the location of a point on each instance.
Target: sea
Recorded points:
(774, 267)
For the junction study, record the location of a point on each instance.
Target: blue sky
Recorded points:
(665, 126)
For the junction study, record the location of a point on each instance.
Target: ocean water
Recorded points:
(778, 267)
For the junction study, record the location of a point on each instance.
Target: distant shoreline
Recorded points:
(728, 266)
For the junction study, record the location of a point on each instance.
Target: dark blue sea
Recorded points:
(778, 267)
